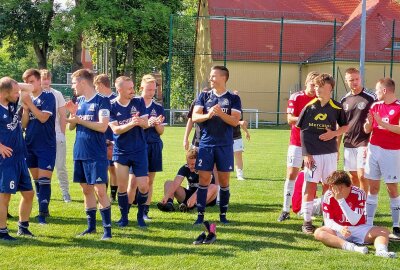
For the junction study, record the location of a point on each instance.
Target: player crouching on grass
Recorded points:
(187, 197)
(345, 219)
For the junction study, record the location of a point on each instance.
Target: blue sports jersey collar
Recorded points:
(5, 107)
(90, 99)
(215, 92)
(151, 103)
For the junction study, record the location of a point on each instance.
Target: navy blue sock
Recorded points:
(170, 201)
(123, 205)
(224, 195)
(44, 195)
(23, 224)
(37, 188)
(141, 200)
(114, 190)
(201, 199)
(91, 219)
(106, 219)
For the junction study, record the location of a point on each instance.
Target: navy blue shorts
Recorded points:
(137, 163)
(154, 152)
(91, 172)
(222, 156)
(44, 160)
(14, 177)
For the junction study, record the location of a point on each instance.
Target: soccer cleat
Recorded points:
(183, 207)
(199, 240)
(240, 178)
(141, 223)
(24, 232)
(395, 236)
(284, 216)
(308, 228)
(106, 236)
(169, 207)
(360, 249)
(67, 198)
(87, 231)
(211, 238)
(222, 219)
(161, 206)
(7, 237)
(42, 219)
(146, 217)
(199, 220)
(386, 254)
(122, 222)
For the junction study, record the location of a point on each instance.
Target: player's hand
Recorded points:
(248, 136)
(71, 107)
(186, 144)
(309, 161)
(217, 109)
(369, 119)
(73, 119)
(152, 120)
(345, 232)
(164, 200)
(337, 193)
(212, 112)
(5, 151)
(378, 118)
(328, 135)
(25, 97)
(159, 120)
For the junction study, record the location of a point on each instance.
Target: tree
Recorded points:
(27, 23)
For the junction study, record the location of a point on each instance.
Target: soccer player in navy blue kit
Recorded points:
(90, 116)
(14, 174)
(103, 87)
(155, 129)
(127, 120)
(217, 112)
(39, 120)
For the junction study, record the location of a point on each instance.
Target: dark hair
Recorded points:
(224, 70)
(84, 74)
(339, 178)
(323, 79)
(31, 72)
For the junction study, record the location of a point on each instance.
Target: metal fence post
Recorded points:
(225, 26)
(392, 49)
(280, 74)
(167, 96)
(334, 51)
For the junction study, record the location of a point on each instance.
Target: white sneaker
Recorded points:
(239, 175)
(386, 254)
(67, 198)
(240, 178)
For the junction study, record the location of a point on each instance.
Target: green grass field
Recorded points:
(253, 240)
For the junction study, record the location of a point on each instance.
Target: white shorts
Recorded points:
(358, 234)
(382, 163)
(238, 145)
(355, 158)
(324, 166)
(294, 156)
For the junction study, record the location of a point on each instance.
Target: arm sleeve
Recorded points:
(330, 223)
(236, 103)
(326, 208)
(352, 216)
(49, 104)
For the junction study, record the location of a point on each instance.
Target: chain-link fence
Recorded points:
(269, 58)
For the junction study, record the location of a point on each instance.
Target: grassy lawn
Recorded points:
(253, 240)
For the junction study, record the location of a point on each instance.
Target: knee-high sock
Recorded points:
(372, 204)
(201, 198)
(395, 208)
(123, 205)
(44, 195)
(106, 219)
(287, 194)
(141, 201)
(224, 199)
(306, 209)
(91, 218)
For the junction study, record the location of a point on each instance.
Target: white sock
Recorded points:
(372, 203)
(306, 209)
(395, 208)
(381, 247)
(352, 247)
(288, 194)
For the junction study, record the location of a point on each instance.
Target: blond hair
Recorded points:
(120, 80)
(148, 78)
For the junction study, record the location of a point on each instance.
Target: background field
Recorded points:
(254, 239)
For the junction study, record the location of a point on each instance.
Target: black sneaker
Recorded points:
(7, 237)
(211, 238)
(284, 216)
(199, 240)
(161, 206)
(395, 236)
(24, 232)
(169, 207)
(183, 207)
(308, 228)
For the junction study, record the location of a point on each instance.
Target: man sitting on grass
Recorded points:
(187, 197)
(345, 219)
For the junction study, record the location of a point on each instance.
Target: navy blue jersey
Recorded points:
(192, 177)
(214, 131)
(132, 141)
(109, 132)
(40, 136)
(91, 144)
(153, 110)
(11, 132)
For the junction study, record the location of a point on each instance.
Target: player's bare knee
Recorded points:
(28, 195)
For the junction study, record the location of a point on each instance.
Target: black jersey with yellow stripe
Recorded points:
(314, 120)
